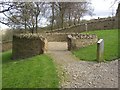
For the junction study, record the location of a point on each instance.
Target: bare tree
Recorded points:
(24, 14)
(76, 10)
(53, 14)
(38, 9)
(5, 7)
(27, 15)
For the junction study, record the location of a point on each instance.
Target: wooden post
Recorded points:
(86, 27)
(100, 50)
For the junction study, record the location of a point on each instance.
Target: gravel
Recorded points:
(83, 74)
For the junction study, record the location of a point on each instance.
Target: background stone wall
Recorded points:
(27, 45)
(81, 40)
(96, 24)
(57, 37)
(6, 45)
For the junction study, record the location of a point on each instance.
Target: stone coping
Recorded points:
(29, 36)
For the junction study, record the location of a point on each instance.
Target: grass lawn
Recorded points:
(36, 72)
(110, 46)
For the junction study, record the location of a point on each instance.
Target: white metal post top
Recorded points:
(100, 41)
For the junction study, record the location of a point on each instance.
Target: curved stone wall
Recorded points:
(77, 41)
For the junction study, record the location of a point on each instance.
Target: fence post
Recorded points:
(86, 27)
(100, 50)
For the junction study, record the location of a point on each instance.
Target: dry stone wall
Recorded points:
(118, 17)
(6, 45)
(57, 37)
(96, 24)
(27, 45)
(77, 41)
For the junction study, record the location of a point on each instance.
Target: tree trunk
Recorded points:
(25, 24)
(36, 28)
(78, 20)
(52, 15)
(25, 15)
(33, 29)
(62, 18)
(69, 22)
(61, 8)
(75, 17)
(74, 21)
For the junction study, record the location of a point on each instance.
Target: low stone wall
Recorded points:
(27, 45)
(77, 41)
(57, 37)
(6, 45)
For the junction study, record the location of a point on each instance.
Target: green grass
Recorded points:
(110, 46)
(36, 72)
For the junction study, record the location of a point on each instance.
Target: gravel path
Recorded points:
(83, 74)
